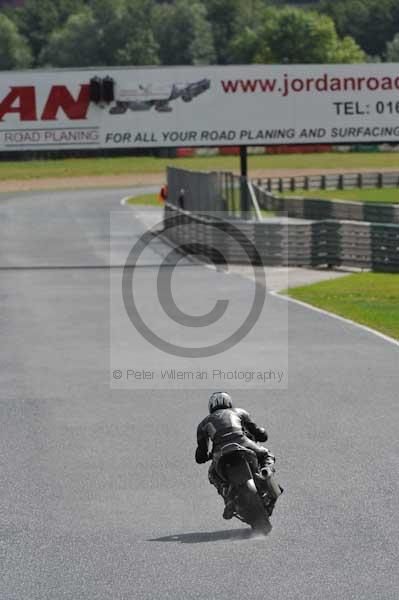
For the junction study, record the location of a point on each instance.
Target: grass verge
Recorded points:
(145, 200)
(78, 167)
(387, 195)
(267, 213)
(152, 200)
(371, 299)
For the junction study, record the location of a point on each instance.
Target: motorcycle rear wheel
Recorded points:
(255, 513)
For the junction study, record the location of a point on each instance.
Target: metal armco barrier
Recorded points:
(210, 192)
(333, 243)
(195, 191)
(331, 181)
(314, 208)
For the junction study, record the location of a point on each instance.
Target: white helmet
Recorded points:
(219, 400)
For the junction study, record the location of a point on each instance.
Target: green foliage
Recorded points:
(244, 47)
(137, 45)
(292, 35)
(37, 19)
(14, 50)
(346, 50)
(392, 52)
(372, 23)
(74, 44)
(107, 32)
(228, 19)
(73, 33)
(222, 15)
(183, 33)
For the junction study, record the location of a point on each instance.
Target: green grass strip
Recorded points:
(77, 167)
(387, 195)
(371, 299)
(145, 200)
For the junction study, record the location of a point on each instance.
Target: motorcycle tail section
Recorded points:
(237, 470)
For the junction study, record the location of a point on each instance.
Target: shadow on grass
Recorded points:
(208, 536)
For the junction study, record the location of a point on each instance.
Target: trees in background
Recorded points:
(70, 33)
(229, 18)
(37, 19)
(73, 45)
(392, 52)
(372, 23)
(138, 44)
(183, 33)
(105, 32)
(294, 36)
(14, 49)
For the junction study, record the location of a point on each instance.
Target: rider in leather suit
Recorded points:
(225, 425)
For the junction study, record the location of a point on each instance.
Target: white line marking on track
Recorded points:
(124, 200)
(338, 317)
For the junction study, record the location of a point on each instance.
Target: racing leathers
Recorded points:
(225, 426)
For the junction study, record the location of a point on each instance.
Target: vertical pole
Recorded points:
(243, 161)
(245, 207)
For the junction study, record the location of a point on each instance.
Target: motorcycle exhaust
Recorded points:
(273, 488)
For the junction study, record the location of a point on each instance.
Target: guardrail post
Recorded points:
(380, 181)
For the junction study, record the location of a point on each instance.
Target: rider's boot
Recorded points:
(228, 512)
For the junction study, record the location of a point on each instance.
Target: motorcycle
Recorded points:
(253, 491)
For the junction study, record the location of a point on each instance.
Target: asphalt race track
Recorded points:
(100, 495)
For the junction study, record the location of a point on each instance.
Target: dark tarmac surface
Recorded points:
(100, 496)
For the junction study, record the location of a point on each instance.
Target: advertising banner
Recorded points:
(201, 106)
